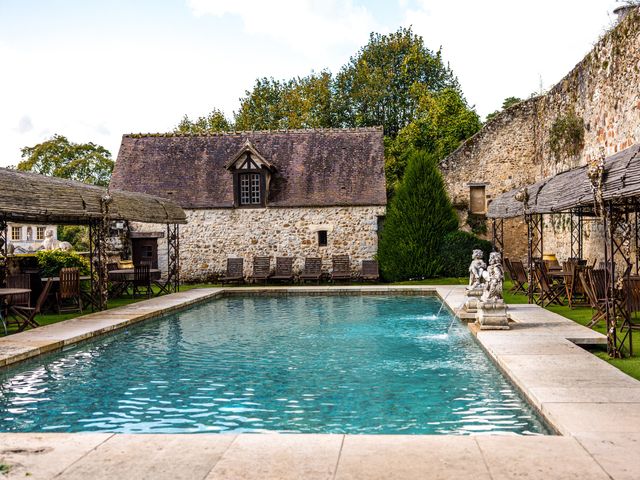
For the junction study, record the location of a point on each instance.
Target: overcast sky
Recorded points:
(92, 70)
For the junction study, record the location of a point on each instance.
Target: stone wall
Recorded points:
(212, 236)
(512, 149)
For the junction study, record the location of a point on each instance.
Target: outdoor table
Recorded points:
(124, 277)
(5, 296)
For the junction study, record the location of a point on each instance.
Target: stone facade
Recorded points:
(513, 150)
(213, 235)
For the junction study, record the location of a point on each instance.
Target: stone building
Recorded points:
(292, 193)
(515, 149)
(25, 238)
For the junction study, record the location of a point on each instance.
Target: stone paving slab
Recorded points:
(616, 453)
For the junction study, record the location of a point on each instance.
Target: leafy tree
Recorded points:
(58, 157)
(303, 102)
(374, 87)
(443, 120)
(507, 102)
(215, 121)
(76, 235)
(418, 218)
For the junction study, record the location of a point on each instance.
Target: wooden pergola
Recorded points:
(608, 190)
(32, 198)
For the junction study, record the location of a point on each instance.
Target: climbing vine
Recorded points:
(566, 136)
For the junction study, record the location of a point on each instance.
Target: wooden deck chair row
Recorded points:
(549, 292)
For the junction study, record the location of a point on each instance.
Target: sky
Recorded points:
(93, 70)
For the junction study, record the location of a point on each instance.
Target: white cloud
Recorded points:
(24, 125)
(308, 26)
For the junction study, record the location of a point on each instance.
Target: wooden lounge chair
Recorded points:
(26, 316)
(632, 299)
(284, 269)
(520, 280)
(142, 280)
(235, 271)
(312, 269)
(261, 269)
(370, 271)
(20, 280)
(341, 270)
(68, 297)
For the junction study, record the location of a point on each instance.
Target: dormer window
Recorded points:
(251, 177)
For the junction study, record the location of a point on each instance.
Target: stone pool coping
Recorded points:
(594, 406)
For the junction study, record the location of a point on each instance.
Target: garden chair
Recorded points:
(25, 315)
(370, 271)
(261, 269)
(520, 279)
(20, 280)
(598, 305)
(142, 280)
(284, 269)
(68, 297)
(312, 269)
(341, 268)
(549, 292)
(235, 271)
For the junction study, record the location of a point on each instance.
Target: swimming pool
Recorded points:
(310, 364)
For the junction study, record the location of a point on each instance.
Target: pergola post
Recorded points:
(497, 225)
(534, 248)
(99, 272)
(576, 233)
(173, 257)
(4, 260)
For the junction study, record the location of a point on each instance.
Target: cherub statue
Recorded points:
(494, 276)
(476, 270)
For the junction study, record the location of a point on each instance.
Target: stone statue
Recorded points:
(476, 270)
(494, 276)
(65, 246)
(49, 242)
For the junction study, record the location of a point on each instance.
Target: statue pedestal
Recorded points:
(470, 307)
(492, 315)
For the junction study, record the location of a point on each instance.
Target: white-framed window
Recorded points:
(40, 233)
(16, 234)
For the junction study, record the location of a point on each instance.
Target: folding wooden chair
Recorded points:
(235, 271)
(549, 292)
(26, 316)
(142, 280)
(261, 269)
(520, 281)
(20, 280)
(341, 268)
(594, 284)
(632, 299)
(370, 271)
(312, 269)
(284, 269)
(68, 297)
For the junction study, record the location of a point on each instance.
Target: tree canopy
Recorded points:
(506, 103)
(215, 121)
(58, 157)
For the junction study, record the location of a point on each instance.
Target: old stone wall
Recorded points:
(512, 150)
(211, 236)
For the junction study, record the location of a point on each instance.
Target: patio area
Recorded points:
(591, 404)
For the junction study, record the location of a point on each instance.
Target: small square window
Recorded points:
(322, 238)
(40, 233)
(16, 234)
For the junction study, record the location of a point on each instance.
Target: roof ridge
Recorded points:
(245, 132)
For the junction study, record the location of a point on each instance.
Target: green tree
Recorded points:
(418, 218)
(76, 235)
(507, 102)
(58, 157)
(302, 102)
(443, 120)
(215, 121)
(374, 87)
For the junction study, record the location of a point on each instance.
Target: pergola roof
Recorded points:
(572, 188)
(29, 197)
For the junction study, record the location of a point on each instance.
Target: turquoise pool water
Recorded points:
(317, 364)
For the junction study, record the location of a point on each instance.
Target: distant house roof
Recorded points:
(325, 167)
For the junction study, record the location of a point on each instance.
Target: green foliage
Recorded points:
(302, 102)
(215, 121)
(455, 252)
(478, 223)
(443, 120)
(566, 136)
(51, 261)
(76, 235)
(418, 218)
(374, 87)
(507, 102)
(58, 157)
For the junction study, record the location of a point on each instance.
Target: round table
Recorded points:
(5, 296)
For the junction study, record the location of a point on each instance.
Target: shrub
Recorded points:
(455, 252)
(419, 216)
(51, 261)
